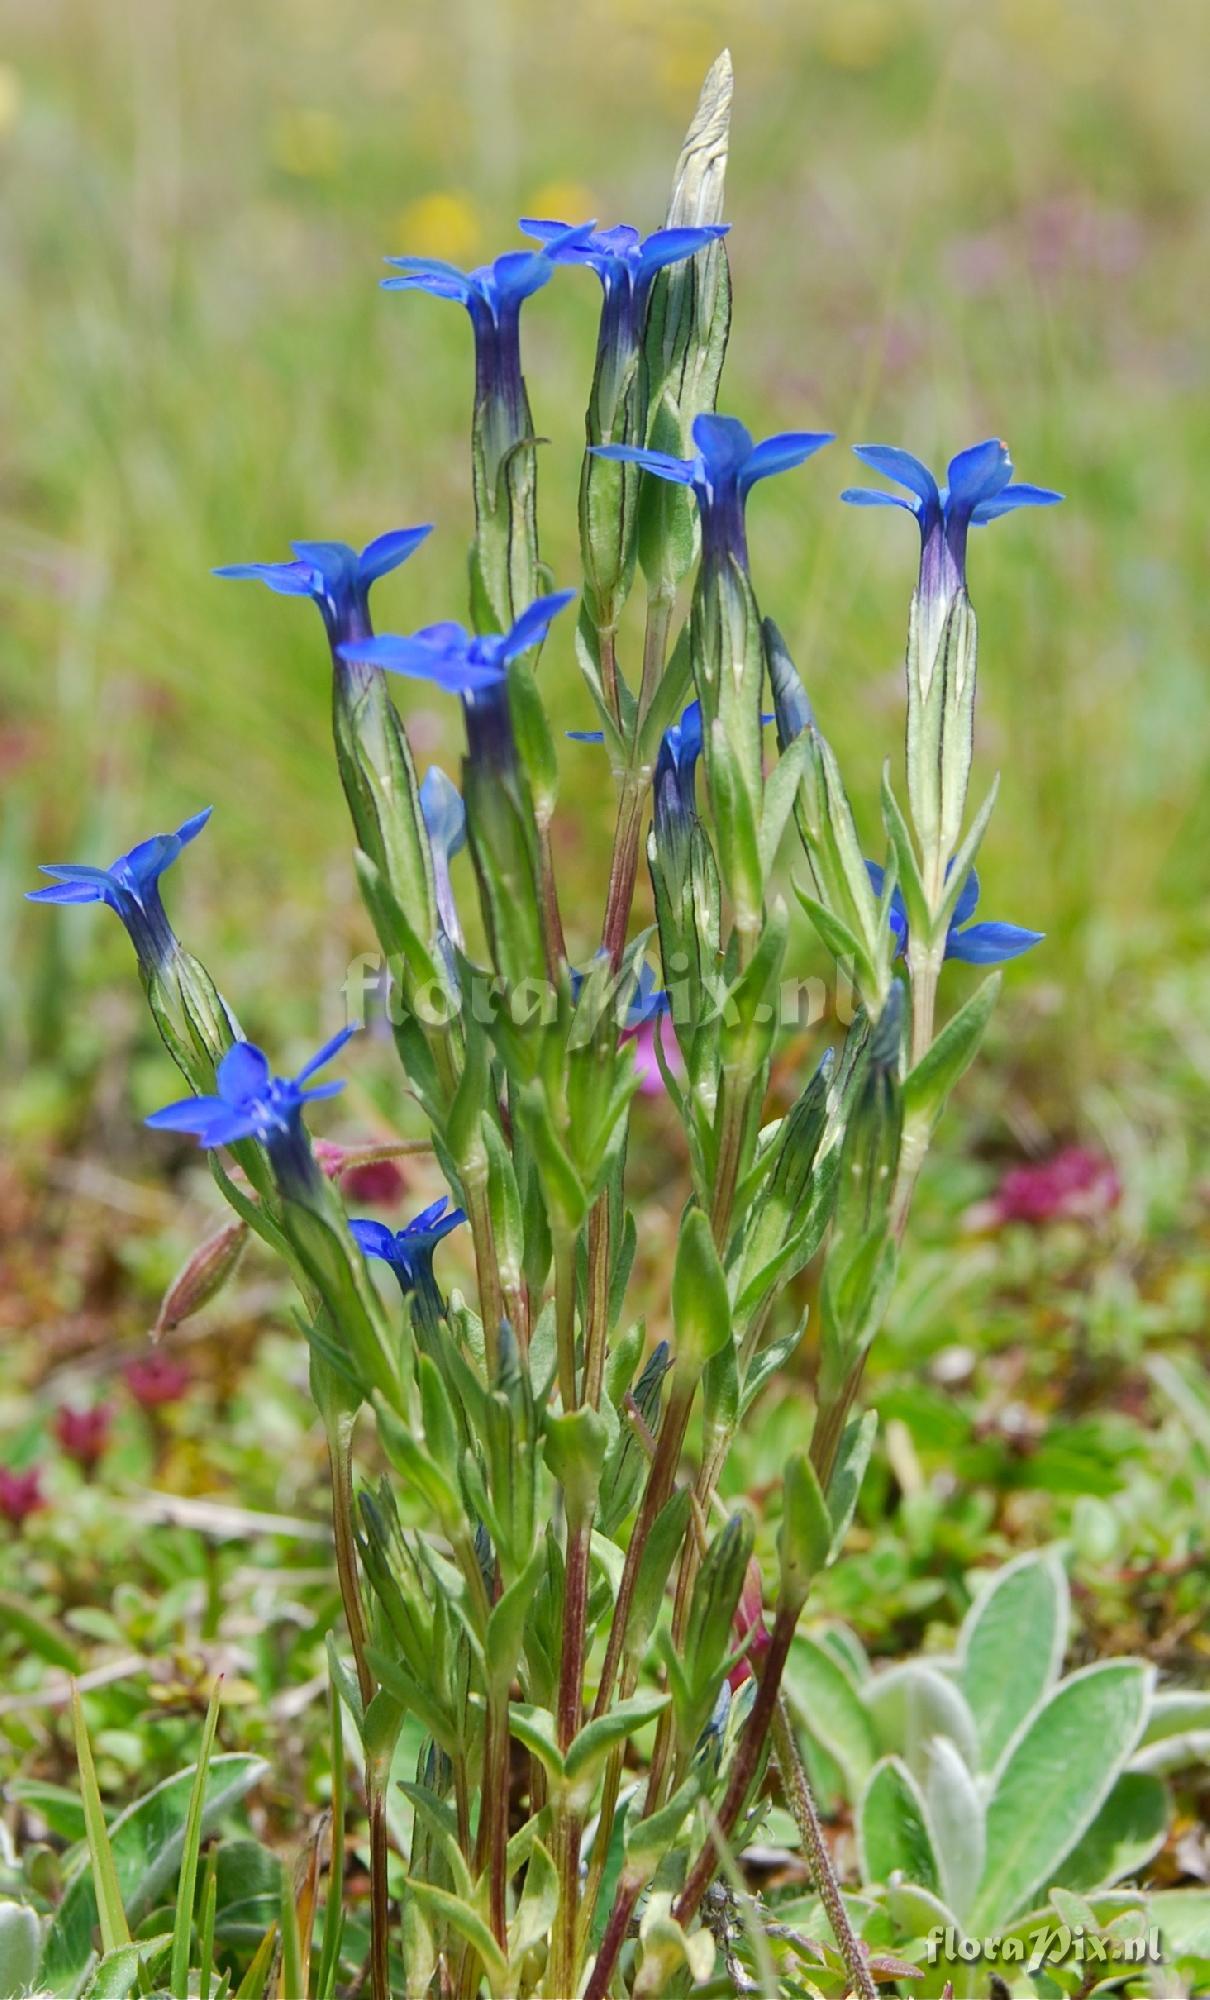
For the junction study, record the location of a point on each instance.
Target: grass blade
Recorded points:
(114, 1929)
(178, 1983)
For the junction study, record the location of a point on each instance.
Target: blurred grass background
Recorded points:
(949, 219)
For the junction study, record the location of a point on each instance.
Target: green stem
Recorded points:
(624, 867)
(340, 1458)
(805, 1814)
(746, 1762)
(655, 1494)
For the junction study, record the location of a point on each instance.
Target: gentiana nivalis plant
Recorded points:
(547, 1582)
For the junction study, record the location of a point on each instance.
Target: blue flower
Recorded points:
(626, 264)
(251, 1103)
(473, 665)
(493, 295)
(978, 490)
(335, 577)
(445, 823)
(130, 885)
(725, 467)
(461, 662)
(972, 944)
(409, 1251)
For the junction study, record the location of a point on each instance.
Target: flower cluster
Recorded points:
(554, 1553)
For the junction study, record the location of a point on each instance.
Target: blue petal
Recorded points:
(897, 908)
(288, 579)
(325, 1055)
(723, 443)
(1012, 497)
(669, 246)
(190, 828)
(388, 551)
(434, 1221)
(429, 274)
(544, 229)
(422, 661)
(968, 898)
(67, 892)
(243, 1074)
(865, 496)
(77, 871)
(782, 453)
(900, 466)
(227, 1130)
(585, 735)
(691, 732)
(990, 944)
(534, 622)
(443, 811)
(375, 1238)
(148, 860)
(979, 473)
(320, 1090)
(661, 463)
(519, 273)
(188, 1114)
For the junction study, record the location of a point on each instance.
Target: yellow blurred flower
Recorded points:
(565, 201)
(307, 142)
(445, 224)
(10, 98)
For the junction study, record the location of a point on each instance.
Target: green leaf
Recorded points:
(927, 1087)
(1130, 1827)
(840, 940)
(656, 1561)
(182, 1933)
(128, 1970)
(1001, 1678)
(805, 1537)
(1055, 1777)
(956, 1821)
(701, 1310)
(115, 1930)
(844, 1486)
(912, 1704)
(506, 1625)
(467, 1922)
(147, 1842)
(18, 1949)
(824, 1699)
(893, 1835)
(538, 1905)
(594, 1742)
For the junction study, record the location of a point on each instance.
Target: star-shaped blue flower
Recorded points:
(979, 489)
(336, 577)
(461, 662)
(250, 1102)
(471, 664)
(972, 944)
(409, 1251)
(626, 263)
(722, 472)
(493, 295)
(130, 886)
